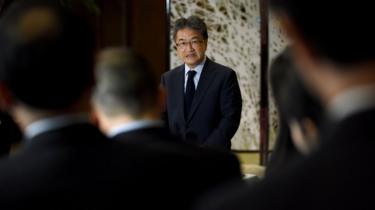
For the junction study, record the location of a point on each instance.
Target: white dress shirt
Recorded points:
(54, 123)
(351, 101)
(140, 124)
(197, 69)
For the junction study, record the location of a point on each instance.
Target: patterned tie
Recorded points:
(190, 91)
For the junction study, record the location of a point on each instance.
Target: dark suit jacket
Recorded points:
(9, 133)
(63, 166)
(76, 167)
(216, 108)
(340, 175)
(178, 172)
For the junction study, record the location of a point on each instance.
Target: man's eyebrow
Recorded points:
(194, 37)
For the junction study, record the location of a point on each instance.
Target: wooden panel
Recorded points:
(148, 32)
(112, 23)
(139, 24)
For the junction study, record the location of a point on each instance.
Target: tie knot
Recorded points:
(191, 73)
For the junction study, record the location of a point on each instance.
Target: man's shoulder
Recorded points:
(161, 141)
(220, 68)
(82, 133)
(151, 135)
(174, 71)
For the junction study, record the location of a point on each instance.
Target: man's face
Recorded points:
(191, 46)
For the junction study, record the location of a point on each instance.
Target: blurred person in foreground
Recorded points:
(128, 103)
(10, 134)
(300, 114)
(337, 63)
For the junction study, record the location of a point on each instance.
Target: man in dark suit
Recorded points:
(203, 98)
(339, 66)
(128, 102)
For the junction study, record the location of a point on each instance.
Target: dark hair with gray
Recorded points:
(192, 22)
(125, 83)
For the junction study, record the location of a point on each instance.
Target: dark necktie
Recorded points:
(190, 91)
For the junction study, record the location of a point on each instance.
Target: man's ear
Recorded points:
(93, 115)
(6, 99)
(161, 99)
(98, 118)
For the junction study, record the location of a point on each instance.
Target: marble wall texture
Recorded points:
(234, 41)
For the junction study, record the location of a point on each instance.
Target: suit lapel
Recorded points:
(205, 80)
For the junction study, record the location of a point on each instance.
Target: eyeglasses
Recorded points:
(194, 43)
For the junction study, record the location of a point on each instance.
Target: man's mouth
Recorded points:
(190, 55)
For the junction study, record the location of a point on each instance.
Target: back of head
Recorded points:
(292, 98)
(295, 104)
(46, 54)
(284, 150)
(125, 83)
(192, 22)
(339, 31)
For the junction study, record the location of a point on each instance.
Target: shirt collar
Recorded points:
(351, 102)
(54, 123)
(198, 68)
(139, 124)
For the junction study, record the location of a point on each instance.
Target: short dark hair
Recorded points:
(192, 22)
(125, 83)
(293, 102)
(46, 59)
(293, 99)
(339, 31)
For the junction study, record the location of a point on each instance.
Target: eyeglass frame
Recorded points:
(193, 43)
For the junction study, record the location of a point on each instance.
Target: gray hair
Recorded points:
(124, 83)
(192, 22)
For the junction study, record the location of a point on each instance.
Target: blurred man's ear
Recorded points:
(161, 99)
(93, 115)
(98, 118)
(6, 99)
(304, 135)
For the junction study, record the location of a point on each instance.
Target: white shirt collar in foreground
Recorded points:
(54, 123)
(351, 101)
(140, 124)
